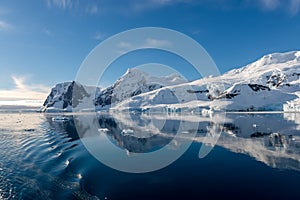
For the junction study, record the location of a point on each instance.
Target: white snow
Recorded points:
(137, 80)
(278, 76)
(266, 84)
(292, 106)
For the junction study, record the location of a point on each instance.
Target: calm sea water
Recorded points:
(255, 156)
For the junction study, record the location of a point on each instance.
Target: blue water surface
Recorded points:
(256, 156)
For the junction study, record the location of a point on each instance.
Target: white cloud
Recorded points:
(81, 6)
(129, 7)
(270, 4)
(63, 4)
(197, 31)
(152, 42)
(5, 26)
(290, 6)
(168, 2)
(99, 36)
(294, 6)
(157, 43)
(23, 91)
(123, 6)
(93, 9)
(147, 43)
(125, 45)
(19, 82)
(139, 6)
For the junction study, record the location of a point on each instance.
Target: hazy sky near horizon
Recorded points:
(44, 42)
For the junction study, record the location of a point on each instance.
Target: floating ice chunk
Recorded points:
(79, 176)
(67, 162)
(127, 132)
(60, 119)
(103, 130)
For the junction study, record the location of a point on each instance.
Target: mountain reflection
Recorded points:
(273, 139)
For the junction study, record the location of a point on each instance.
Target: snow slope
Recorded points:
(263, 85)
(132, 83)
(60, 98)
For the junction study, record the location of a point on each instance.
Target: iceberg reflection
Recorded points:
(273, 139)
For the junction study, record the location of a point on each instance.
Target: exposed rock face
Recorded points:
(60, 97)
(108, 95)
(257, 87)
(134, 82)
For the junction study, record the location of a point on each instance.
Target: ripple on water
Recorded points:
(36, 160)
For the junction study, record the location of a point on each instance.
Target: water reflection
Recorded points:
(43, 157)
(273, 139)
(293, 117)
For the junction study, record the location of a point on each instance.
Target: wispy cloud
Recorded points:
(137, 6)
(125, 45)
(82, 6)
(93, 8)
(147, 43)
(197, 32)
(269, 4)
(5, 26)
(19, 82)
(99, 36)
(23, 91)
(294, 6)
(63, 4)
(47, 32)
(290, 6)
(108, 6)
(157, 43)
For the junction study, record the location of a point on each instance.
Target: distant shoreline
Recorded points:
(35, 109)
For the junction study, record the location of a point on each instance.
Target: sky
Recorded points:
(43, 42)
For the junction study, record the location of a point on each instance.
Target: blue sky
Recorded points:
(44, 42)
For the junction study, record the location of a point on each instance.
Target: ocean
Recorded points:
(232, 155)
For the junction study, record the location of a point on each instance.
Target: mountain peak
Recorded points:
(276, 58)
(268, 64)
(134, 72)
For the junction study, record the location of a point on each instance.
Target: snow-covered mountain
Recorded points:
(266, 84)
(60, 97)
(132, 83)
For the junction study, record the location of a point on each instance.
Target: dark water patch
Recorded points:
(29, 129)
